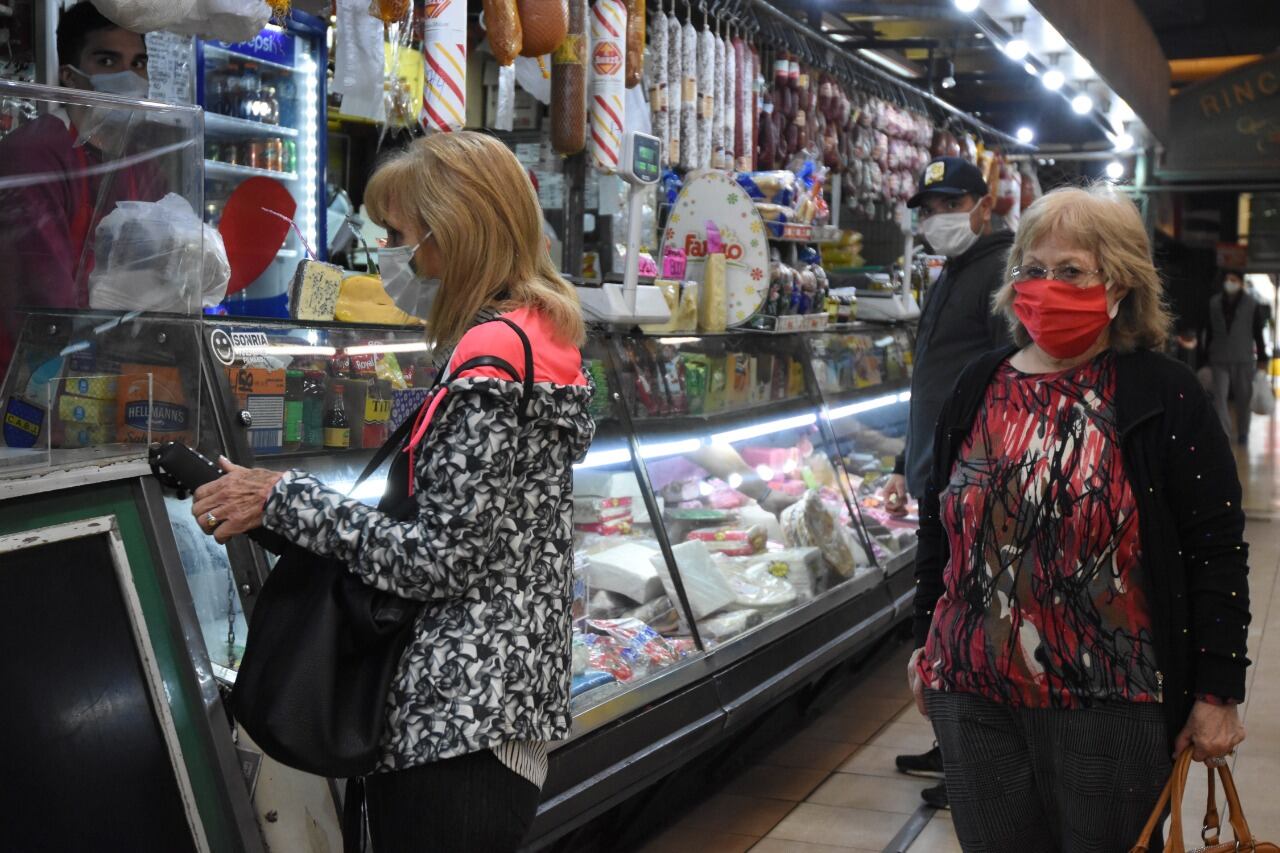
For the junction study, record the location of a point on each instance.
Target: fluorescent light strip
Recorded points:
(659, 449)
(842, 412)
(888, 62)
(756, 430)
(370, 349)
(604, 458)
(286, 349)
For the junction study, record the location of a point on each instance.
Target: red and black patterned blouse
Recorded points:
(1044, 603)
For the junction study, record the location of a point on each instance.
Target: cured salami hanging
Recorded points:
(635, 43)
(689, 106)
(444, 48)
(569, 85)
(717, 104)
(706, 96)
(657, 71)
(730, 117)
(608, 60)
(675, 83)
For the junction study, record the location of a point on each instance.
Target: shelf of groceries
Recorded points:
(730, 492)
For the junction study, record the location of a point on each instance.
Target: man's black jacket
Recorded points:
(1190, 522)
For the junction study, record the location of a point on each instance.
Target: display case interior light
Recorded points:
(766, 428)
(967, 6)
(1122, 141)
(374, 349)
(309, 150)
(605, 458)
(848, 411)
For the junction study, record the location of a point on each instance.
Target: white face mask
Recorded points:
(126, 84)
(949, 234)
(411, 293)
(1231, 287)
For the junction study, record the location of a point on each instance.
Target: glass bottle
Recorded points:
(293, 406)
(337, 431)
(313, 410)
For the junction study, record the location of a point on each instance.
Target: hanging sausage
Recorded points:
(608, 60)
(706, 95)
(543, 25)
(657, 71)
(689, 107)
(444, 43)
(502, 23)
(635, 43)
(730, 114)
(717, 103)
(569, 85)
(675, 85)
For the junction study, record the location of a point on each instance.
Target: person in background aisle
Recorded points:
(484, 683)
(1235, 343)
(46, 228)
(955, 328)
(1082, 594)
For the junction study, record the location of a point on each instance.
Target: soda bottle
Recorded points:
(337, 432)
(377, 411)
(293, 406)
(313, 410)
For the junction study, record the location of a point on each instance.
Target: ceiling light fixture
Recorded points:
(1082, 104)
(1030, 69)
(1017, 49)
(967, 6)
(1115, 170)
(889, 63)
(1025, 135)
(1123, 141)
(1053, 79)
(948, 80)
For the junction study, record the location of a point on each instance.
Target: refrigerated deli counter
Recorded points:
(730, 548)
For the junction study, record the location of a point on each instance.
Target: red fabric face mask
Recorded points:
(1063, 320)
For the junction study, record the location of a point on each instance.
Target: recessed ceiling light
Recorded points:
(1115, 170)
(1053, 79)
(967, 6)
(1017, 49)
(1081, 104)
(1025, 135)
(1123, 141)
(1030, 69)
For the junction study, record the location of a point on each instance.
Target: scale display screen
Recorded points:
(645, 153)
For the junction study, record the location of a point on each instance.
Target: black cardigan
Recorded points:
(1190, 523)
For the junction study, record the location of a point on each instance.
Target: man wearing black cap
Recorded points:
(956, 326)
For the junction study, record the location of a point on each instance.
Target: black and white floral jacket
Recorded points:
(490, 553)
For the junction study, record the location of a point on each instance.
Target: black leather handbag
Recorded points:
(323, 646)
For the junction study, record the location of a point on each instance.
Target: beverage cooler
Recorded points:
(264, 118)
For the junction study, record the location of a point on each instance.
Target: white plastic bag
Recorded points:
(157, 256)
(1264, 399)
(225, 20)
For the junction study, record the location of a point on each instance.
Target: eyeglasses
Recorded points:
(1066, 274)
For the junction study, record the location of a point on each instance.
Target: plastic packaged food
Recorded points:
(543, 25)
(569, 85)
(675, 87)
(649, 648)
(606, 111)
(604, 654)
(732, 542)
(634, 43)
(502, 23)
(444, 47)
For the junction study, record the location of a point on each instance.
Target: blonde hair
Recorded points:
(471, 192)
(1106, 223)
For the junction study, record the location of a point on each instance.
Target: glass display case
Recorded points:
(99, 201)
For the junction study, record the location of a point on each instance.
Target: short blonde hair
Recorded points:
(477, 200)
(1106, 223)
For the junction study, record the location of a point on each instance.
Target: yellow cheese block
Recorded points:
(362, 300)
(713, 310)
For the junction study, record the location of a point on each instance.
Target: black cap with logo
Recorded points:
(949, 176)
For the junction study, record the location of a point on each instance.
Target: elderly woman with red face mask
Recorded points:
(1082, 597)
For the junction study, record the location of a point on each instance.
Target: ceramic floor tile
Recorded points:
(873, 761)
(850, 730)
(778, 845)
(684, 839)
(737, 814)
(858, 828)
(869, 707)
(939, 836)
(777, 783)
(848, 790)
(810, 753)
(904, 736)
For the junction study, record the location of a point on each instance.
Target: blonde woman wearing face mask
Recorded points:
(484, 683)
(1082, 600)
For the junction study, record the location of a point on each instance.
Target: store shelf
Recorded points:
(215, 169)
(223, 53)
(220, 126)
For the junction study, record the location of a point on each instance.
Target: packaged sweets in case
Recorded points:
(696, 376)
(648, 648)
(732, 542)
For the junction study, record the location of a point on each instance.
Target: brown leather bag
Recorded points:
(1172, 794)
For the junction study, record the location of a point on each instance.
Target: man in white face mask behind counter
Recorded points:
(956, 326)
(46, 228)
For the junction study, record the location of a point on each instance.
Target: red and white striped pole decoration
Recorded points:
(608, 67)
(444, 93)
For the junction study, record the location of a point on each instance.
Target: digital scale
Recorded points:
(631, 303)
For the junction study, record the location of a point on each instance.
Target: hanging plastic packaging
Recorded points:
(635, 43)
(502, 29)
(608, 61)
(506, 117)
(444, 43)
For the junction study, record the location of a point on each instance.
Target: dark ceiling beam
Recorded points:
(917, 11)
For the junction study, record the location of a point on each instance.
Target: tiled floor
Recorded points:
(833, 786)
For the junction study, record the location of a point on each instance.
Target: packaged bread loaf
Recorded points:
(635, 43)
(502, 24)
(543, 25)
(605, 114)
(569, 85)
(444, 47)
(675, 83)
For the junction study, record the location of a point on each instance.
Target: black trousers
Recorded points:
(1048, 780)
(469, 804)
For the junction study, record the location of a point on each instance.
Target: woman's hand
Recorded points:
(894, 494)
(916, 682)
(233, 503)
(1213, 731)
